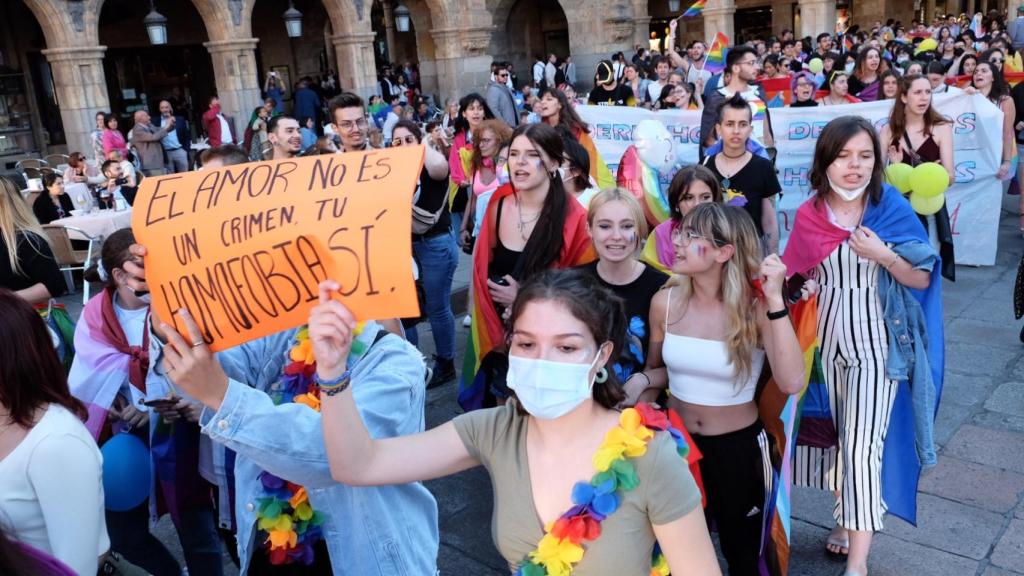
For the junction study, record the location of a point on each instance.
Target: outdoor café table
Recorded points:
(100, 223)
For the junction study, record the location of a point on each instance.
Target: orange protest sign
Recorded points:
(244, 247)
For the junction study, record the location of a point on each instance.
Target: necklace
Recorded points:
(726, 180)
(523, 222)
(288, 526)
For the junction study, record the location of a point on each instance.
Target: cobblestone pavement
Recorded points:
(971, 518)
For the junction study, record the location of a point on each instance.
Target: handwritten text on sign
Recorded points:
(243, 248)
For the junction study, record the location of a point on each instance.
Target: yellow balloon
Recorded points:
(926, 205)
(929, 179)
(926, 45)
(815, 65)
(899, 176)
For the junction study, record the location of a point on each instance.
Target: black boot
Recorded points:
(444, 370)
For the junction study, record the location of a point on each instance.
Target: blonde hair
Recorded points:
(620, 195)
(729, 225)
(16, 217)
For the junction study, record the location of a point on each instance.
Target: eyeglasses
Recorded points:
(996, 60)
(749, 62)
(410, 139)
(348, 125)
(684, 236)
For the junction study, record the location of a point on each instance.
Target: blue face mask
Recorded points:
(849, 67)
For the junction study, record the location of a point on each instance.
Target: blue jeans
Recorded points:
(438, 257)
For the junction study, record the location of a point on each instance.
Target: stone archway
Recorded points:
(596, 29)
(140, 75)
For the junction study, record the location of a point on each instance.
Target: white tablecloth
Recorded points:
(102, 223)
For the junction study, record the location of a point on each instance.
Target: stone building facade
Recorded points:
(453, 41)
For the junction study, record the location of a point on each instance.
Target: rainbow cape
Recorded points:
(696, 10)
(714, 62)
(487, 331)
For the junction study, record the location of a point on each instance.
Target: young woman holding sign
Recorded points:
(565, 332)
(531, 224)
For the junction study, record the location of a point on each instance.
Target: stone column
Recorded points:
(641, 32)
(463, 65)
(389, 30)
(234, 68)
(719, 16)
(356, 69)
(81, 90)
(817, 16)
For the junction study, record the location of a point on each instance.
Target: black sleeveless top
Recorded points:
(504, 259)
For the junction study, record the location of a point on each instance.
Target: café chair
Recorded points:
(70, 259)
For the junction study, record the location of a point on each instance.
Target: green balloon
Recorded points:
(929, 179)
(899, 176)
(815, 65)
(926, 205)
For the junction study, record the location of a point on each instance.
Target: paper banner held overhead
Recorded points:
(244, 247)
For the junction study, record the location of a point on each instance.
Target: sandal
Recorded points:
(838, 542)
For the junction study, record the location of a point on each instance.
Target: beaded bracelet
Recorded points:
(335, 386)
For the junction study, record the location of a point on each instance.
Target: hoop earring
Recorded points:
(602, 375)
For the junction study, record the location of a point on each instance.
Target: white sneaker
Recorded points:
(467, 321)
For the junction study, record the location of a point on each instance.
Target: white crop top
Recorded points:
(699, 370)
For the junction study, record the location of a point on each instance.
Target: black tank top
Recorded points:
(503, 260)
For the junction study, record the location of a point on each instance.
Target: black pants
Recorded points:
(260, 564)
(736, 470)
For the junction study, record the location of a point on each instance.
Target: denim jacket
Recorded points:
(383, 530)
(908, 344)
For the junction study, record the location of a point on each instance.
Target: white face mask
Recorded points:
(849, 67)
(848, 194)
(548, 389)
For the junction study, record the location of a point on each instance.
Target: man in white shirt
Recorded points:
(393, 117)
(538, 71)
(550, 70)
(693, 64)
(661, 68)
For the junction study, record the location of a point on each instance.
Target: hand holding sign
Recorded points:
(331, 330)
(244, 247)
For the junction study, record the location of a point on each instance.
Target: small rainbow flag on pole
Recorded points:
(696, 9)
(714, 62)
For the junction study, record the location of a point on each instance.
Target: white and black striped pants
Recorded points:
(853, 353)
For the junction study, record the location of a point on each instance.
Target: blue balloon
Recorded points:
(126, 472)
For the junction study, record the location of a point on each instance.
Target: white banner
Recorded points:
(973, 202)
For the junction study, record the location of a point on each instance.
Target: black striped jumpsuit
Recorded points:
(852, 335)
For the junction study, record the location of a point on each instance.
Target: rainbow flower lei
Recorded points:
(561, 548)
(289, 527)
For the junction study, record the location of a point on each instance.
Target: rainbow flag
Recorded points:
(758, 108)
(781, 414)
(847, 44)
(714, 62)
(696, 9)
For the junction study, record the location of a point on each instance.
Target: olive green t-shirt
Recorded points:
(667, 492)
